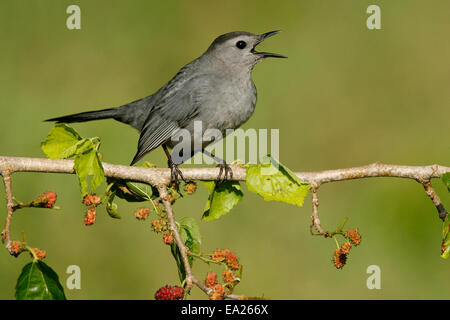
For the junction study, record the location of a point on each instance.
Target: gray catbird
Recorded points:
(216, 89)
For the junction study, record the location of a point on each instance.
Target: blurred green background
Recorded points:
(346, 96)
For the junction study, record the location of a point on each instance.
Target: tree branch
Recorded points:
(164, 195)
(161, 178)
(158, 176)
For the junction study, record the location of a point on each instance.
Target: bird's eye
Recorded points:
(241, 44)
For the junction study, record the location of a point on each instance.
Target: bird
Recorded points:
(215, 90)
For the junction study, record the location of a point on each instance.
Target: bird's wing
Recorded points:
(177, 105)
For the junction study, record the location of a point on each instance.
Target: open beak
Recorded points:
(263, 37)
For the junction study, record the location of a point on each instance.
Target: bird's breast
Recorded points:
(235, 104)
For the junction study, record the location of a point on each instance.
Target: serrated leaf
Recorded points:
(275, 182)
(39, 282)
(81, 146)
(111, 207)
(446, 180)
(193, 238)
(89, 170)
(60, 138)
(222, 198)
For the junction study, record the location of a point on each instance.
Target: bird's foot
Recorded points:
(227, 172)
(175, 176)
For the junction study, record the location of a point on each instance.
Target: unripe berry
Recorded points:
(354, 236)
(190, 187)
(159, 225)
(16, 248)
(40, 254)
(339, 259)
(142, 213)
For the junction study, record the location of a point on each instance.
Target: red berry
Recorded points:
(91, 200)
(40, 254)
(46, 200)
(211, 279)
(169, 293)
(232, 261)
(168, 238)
(228, 277)
(345, 249)
(217, 293)
(90, 217)
(219, 254)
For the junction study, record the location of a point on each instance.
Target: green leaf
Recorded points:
(60, 138)
(89, 170)
(78, 148)
(190, 235)
(275, 182)
(39, 282)
(445, 247)
(140, 189)
(177, 256)
(193, 238)
(222, 198)
(446, 180)
(111, 207)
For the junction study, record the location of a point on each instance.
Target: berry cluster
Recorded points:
(190, 187)
(168, 238)
(92, 201)
(169, 293)
(340, 255)
(354, 236)
(40, 254)
(90, 217)
(225, 255)
(142, 213)
(46, 200)
(159, 225)
(230, 276)
(17, 247)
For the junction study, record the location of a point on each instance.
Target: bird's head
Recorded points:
(238, 48)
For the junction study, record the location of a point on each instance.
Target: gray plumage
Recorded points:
(216, 89)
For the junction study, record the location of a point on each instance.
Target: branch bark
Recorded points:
(159, 176)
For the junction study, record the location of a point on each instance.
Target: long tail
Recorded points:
(88, 116)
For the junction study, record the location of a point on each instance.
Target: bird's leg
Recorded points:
(224, 168)
(175, 172)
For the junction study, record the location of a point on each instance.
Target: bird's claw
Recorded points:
(227, 173)
(175, 176)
